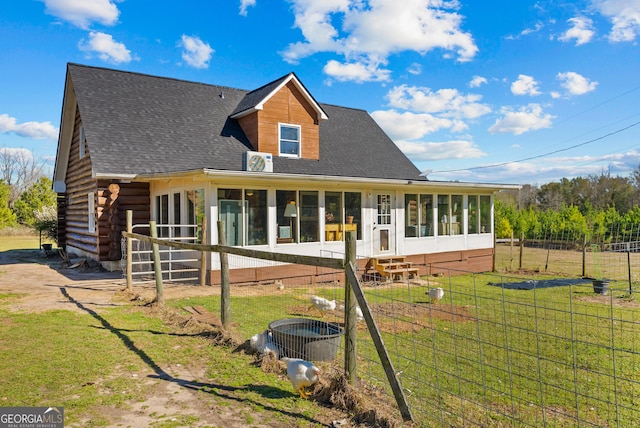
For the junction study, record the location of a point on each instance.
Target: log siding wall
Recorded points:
(114, 199)
(79, 183)
(111, 201)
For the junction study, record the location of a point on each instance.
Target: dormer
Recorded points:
(282, 118)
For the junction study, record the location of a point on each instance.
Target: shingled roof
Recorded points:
(140, 124)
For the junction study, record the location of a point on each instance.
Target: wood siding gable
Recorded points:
(287, 106)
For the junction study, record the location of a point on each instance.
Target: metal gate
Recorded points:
(178, 265)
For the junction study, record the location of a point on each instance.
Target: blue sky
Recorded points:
(499, 91)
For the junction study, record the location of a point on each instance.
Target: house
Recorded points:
(285, 172)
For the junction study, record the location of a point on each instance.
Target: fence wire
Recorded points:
(492, 353)
(490, 350)
(611, 254)
(495, 350)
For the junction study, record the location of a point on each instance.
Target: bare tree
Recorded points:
(19, 169)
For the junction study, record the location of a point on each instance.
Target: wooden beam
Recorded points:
(256, 254)
(398, 393)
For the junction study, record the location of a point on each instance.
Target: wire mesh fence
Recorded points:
(496, 353)
(469, 349)
(495, 350)
(611, 254)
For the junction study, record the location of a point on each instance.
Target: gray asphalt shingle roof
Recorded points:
(142, 124)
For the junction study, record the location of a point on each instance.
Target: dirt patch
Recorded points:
(610, 300)
(175, 397)
(396, 317)
(408, 317)
(48, 283)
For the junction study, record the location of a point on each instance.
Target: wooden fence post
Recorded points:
(629, 268)
(521, 250)
(129, 250)
(225, 293)
(157, 264)
(350, 318)
(203, 254)
(378, 342)
(495, 250)
(511, 253)
(584, 256)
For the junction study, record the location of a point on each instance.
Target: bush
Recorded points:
(46, 221)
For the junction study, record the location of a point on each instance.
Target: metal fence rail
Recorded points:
(178, 265)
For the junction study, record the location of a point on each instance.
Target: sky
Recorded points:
(495, 91)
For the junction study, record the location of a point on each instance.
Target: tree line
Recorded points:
(584, 206)
(26, 194)
(594, 206)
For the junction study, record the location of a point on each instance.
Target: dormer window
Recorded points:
(289, 137)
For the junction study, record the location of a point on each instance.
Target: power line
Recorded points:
(542, 155)
(598, 105)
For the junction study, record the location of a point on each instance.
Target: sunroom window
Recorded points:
(244, 213)
(418, 215)
(339, 220)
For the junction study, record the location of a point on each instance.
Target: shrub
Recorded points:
(46, 221)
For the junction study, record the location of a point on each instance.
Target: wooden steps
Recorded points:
(392, 267)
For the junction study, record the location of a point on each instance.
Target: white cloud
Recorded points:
(447, 102)
(356, 71)
(244, 4)
(527, 118)
(407, 125)
(35, 130)
(576, 84)
(415, 69)
(82, 13)
(525, 85)
(547, 170)
(582, 31)
(430, 151)
(625, 17)
(196, 52)
(539, 26)
(477, 81)
(106, 48)
(374, 29)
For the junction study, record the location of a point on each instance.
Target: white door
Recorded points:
(383, 224)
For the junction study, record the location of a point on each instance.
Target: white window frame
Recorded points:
(91, 211)
(289, 125)
(82, 150)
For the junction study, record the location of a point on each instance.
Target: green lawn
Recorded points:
(88, 362)
(557, 356)
(19, 243)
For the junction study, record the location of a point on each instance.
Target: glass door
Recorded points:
(383, 225)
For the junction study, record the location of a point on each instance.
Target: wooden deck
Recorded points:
(392, 267)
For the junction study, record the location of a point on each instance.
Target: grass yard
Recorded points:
(19, 243)
(126, 364)
(100, 367)
(487, 355)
